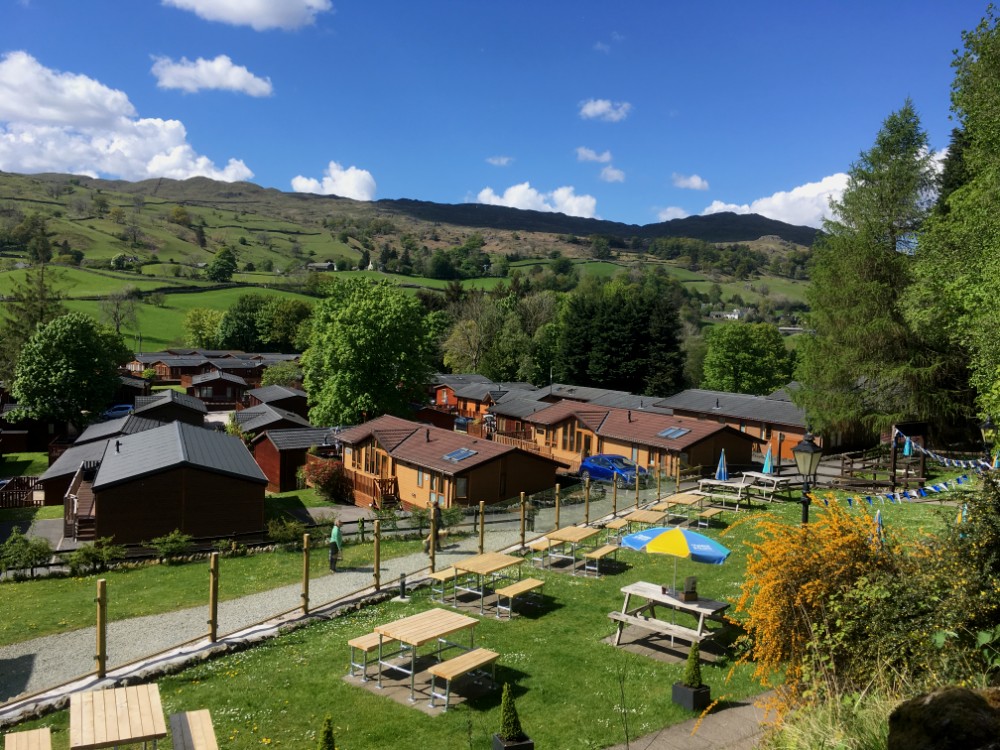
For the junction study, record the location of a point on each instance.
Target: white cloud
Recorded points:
(612, 174)
(671, 212)
(348, 183)
(604, 109)
(258, 14)
(806, 204)
(32, 93)
(201, 74)
(694, 182)
(500, 161)
(52, 121)
(561, 200)
(602, 47)
(588, 154)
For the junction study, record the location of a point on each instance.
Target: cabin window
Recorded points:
(461, 487)
(420, 477)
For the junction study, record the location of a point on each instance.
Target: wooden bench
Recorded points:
(614, 528)
(193, 730)
(33, 739)
(540, 549)
(454, 668)
(705, 517)
(658, 626)
(523, 586)
(592, 558)
(439, 582)
(365, 644)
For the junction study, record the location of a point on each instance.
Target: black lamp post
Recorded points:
(989, 431)
(807, 457)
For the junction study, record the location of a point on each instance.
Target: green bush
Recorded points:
(326, 737)
(286, 532)
(329, 480)
(95, 557)
(692, 670)
(21, 553)
(510, 722)
(173, 545)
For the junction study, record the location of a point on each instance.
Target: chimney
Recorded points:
(118, 446)
(427, 435)
(629, 415)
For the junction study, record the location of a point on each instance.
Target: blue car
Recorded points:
(116, 411)
(609, 467)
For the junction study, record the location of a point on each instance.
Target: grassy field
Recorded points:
(162, 327)
(58, 605)
(571, 686)
(23, 464)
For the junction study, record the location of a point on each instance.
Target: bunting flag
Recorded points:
(979, 464)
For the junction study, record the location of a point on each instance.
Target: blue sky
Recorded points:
(634, 112)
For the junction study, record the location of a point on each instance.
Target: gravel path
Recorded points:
(43, 663)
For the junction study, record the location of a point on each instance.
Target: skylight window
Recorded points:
(459, 455)
(673, 432)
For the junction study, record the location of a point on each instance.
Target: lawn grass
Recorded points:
(59, 605)
(23, 464)
(570, 685)
(163, 327)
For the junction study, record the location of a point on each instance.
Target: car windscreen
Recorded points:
(620, 462)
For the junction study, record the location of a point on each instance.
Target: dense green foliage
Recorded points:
(370, 353)
(68, 370)
(866, 364)
(30, 303)
(958, 261)
(21, 553)
(746, 358)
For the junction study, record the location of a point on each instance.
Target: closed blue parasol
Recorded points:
(721, 472)
(768, 468)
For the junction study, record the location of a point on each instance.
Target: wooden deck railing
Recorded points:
(19, 492)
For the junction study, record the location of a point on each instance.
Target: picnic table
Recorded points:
(683, 501)
(766, 485)
(119, 716)
(644, 615)
(648, 517)
(724, 490)
(486, 566)
(573, 536)
(431, 626)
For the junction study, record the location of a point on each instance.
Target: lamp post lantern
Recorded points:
(807, 457)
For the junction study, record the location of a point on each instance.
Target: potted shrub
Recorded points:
(511, 735)
(691, 693)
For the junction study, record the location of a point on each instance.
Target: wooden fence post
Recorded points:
(557, 507)
(522, 520)
(482, 525)
(637, 486)
(101, 657)
(432, 547)
(614, 498)
(305, 574)
(586, 502)
(213, 597)
(378, 555)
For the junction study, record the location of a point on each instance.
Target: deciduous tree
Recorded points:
(745, 358)
(30, 303)
(369, 353)
(201, 324)
(68, 370)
